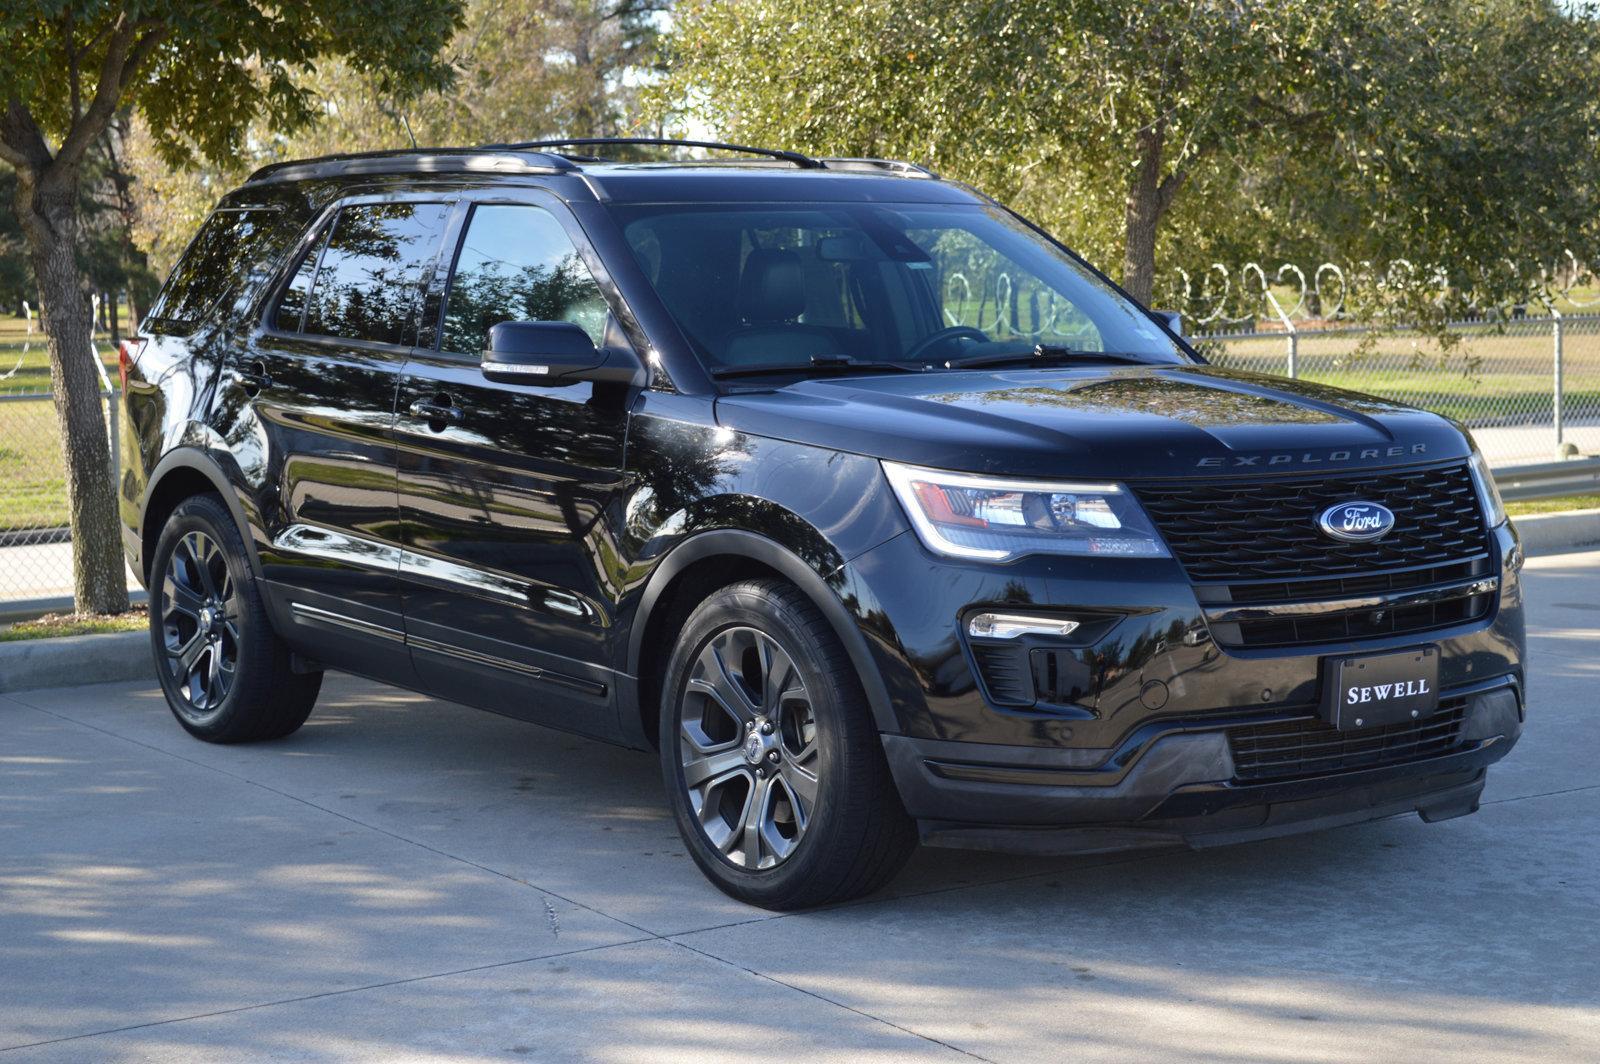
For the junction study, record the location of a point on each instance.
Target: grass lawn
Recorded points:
(33, 481)
(1560, 504)
(52, 625)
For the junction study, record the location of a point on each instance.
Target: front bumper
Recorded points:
(1175, 783)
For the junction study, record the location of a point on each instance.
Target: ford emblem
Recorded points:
(1357, 522)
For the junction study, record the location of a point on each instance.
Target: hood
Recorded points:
(1104, 422)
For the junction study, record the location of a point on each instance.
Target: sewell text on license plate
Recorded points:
(1369, 691)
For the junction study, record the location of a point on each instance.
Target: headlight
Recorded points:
(1488, 495)
(997, 519)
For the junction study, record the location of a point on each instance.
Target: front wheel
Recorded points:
(226, 674)
(772, 763)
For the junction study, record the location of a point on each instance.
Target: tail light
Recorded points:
(127, 354)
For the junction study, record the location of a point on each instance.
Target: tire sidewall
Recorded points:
(744, 606)
(203, 515)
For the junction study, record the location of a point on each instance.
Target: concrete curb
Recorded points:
(1553, 533)
(75, 659)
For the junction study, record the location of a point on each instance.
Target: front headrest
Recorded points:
(772, 287)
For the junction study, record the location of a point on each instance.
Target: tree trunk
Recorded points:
(48, 213)
(1143, 214)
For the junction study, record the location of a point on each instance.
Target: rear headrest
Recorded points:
(772, 287)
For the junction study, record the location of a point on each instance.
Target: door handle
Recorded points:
(437, 412)
(254, 377)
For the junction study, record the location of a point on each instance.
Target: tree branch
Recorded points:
(21, 143)
(74, 78)
(126, 52)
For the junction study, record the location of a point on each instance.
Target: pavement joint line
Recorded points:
(329, 993)
(830, 1001)
(1546, 794)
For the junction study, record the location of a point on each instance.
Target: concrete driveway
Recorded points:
(406, 879)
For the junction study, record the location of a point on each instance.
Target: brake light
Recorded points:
(127, 354)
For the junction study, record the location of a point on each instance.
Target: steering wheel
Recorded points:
(932, 340)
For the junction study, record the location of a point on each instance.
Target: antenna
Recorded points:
(404, 121)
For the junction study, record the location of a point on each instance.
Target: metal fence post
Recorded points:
(109, 394)
(1556, 331)
(1288, 326)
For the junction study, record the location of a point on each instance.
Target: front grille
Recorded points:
(1311, 747)
(1430, 613)
(1265, 528)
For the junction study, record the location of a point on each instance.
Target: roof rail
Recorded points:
(804, 162)
(415, 160)
(892, 166)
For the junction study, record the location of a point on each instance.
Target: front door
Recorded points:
(321, 376)
(509, 570)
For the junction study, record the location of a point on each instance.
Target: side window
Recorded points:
(369, 281)
(220, 255)
(517, 264)
(291, 312)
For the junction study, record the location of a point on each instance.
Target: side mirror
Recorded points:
(1172, 319)
(553, 352)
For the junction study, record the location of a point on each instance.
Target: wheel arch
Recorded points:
(714, 559)
(183, 473)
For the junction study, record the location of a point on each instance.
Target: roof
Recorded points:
(762, 173)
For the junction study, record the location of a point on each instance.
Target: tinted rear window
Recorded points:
(221, 254)
(369, 281)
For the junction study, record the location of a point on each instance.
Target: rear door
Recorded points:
(321, 377)
(509, 566)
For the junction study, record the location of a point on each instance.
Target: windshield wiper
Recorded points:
(1048, 353)
(819, 365)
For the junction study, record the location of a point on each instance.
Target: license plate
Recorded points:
(1372, 690)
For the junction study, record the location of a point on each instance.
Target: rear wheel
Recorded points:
(771, 759)
(226, 674)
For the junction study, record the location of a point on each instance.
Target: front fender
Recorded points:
(704, 491)
(823, 589)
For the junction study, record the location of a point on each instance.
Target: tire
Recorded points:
(772, 762)
(226, 674)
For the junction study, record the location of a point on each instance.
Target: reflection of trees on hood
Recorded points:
(1179, 400)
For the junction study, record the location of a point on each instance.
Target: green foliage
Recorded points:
(523, 69)
(200, 72)
(1455, 133)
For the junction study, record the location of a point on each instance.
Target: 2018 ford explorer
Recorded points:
(881, 515)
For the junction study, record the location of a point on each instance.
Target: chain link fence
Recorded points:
(1529, 389)
(35, 549)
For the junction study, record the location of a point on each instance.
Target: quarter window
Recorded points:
(369, 280)
(221, 253)
(517, 264)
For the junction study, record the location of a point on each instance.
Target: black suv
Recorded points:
(883, 516)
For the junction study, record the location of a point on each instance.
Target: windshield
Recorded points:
(790, 284)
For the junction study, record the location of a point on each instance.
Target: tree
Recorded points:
(525, 69)
(1141, 124)
(197, 72)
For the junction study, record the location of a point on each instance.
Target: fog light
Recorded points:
(1011, 625)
